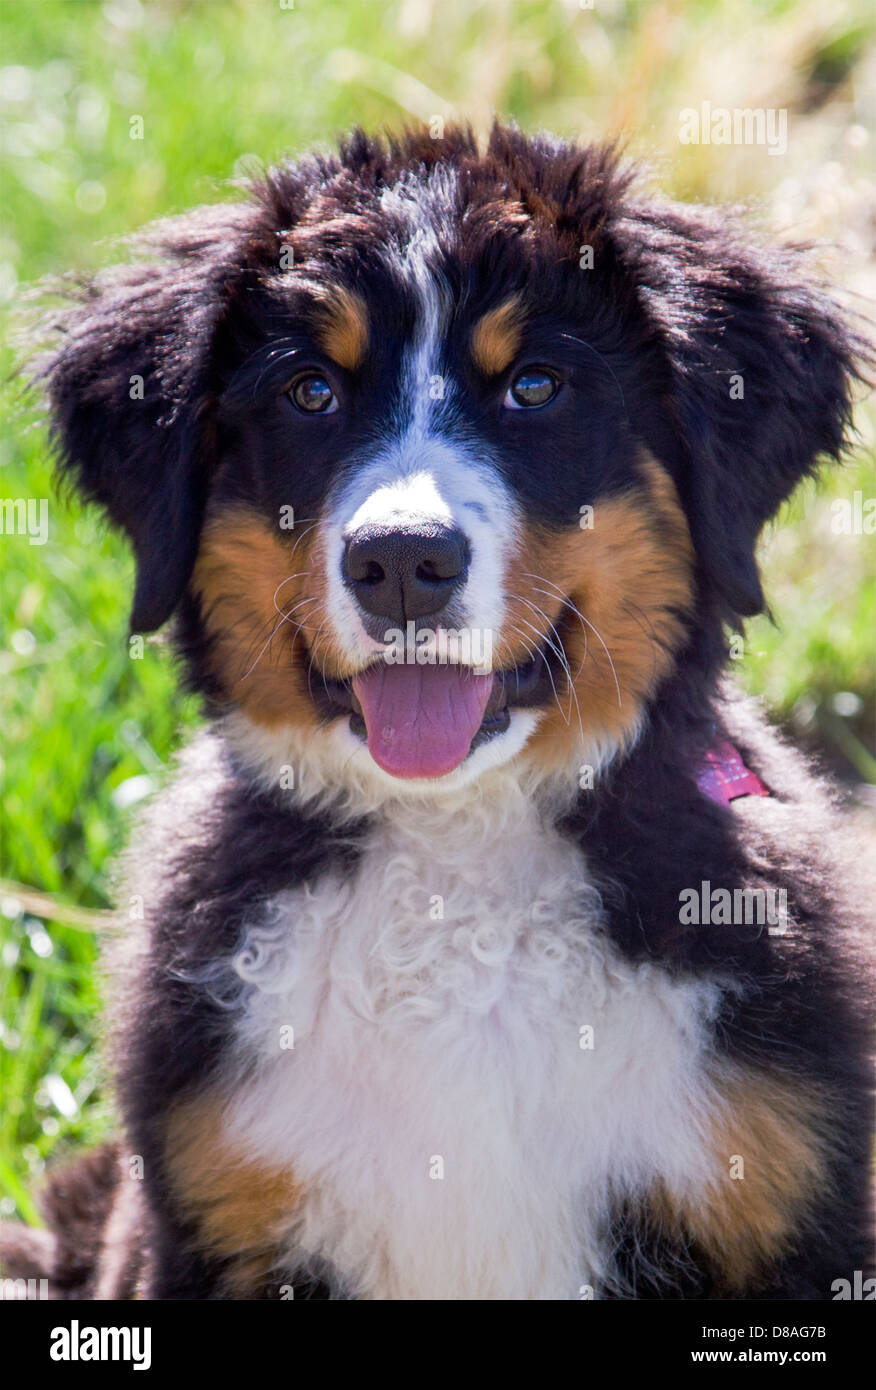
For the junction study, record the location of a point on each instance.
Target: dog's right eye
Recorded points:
(313, 395)
(531, 389)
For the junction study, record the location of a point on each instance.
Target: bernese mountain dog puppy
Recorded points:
(487, 945)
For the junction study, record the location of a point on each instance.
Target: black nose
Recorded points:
(405, 572)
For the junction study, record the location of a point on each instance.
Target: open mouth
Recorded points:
(422, 721)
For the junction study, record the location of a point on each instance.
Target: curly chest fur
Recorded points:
(455, 1069)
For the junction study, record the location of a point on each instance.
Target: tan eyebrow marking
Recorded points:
(496, 337)
(342, 328)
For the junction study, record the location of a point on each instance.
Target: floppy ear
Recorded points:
(128, 379)
(761, 369)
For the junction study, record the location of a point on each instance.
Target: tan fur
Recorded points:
(240, 1209)
(631, 578)
(495, 340)
(743, 1224)
(249, 575)
(342, 328)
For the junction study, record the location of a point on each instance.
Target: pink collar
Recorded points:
(725, 776)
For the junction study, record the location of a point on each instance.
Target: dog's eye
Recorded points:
(313, 395)
(530, 389)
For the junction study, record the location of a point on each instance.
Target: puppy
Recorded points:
(491, 947)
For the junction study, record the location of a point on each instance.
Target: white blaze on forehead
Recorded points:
(424, 472)
(402, 501)
(415, 260)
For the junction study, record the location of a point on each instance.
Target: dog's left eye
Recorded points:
(313, 394)
(531, 389)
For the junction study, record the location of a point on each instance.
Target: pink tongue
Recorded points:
(421, 719)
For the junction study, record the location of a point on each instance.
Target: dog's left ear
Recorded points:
(760, 369)
(128, 379)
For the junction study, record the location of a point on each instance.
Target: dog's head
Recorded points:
(444, 455)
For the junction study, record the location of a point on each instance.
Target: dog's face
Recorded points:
(447, 456)
(430, 521)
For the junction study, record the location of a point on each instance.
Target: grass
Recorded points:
(86, 729)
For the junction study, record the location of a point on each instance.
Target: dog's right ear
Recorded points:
(128, 378)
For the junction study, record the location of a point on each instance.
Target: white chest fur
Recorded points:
(476, 1074)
